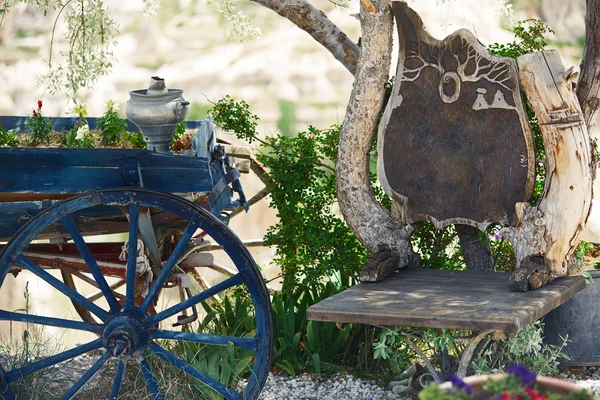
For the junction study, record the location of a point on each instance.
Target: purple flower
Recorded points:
(460, 384)
(527, 377)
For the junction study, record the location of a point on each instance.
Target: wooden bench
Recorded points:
(455, 147)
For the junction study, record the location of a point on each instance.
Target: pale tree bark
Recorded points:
(547, 234)
(588, 87)
(316, 24)
(369, 220)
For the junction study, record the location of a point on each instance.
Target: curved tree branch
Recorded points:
(588, 88)
(371, 222)
(316, 24)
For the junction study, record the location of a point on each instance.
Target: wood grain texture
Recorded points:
(553, 227)
(454, 143)
(372, 223)
(59, 171)
(445, 299)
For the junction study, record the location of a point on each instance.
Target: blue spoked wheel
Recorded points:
(133, 332)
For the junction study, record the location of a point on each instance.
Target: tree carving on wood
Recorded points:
(454, 143)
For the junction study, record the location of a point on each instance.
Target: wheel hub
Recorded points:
(125, 335)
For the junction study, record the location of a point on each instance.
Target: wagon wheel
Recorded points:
(68, 274)
(130, 333)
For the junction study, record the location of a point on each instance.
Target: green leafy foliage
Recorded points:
(110, 125)
(180, 130)
(39, 126)
(525, 347)
(434, 392)
(232, 316)
(9, 138)
(235, 116)
(80, 136)
(530, 36)
(136, 139)
(438, 248)
(300, 344)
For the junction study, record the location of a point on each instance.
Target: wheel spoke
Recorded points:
(150, 380)
(164, 274)
(229, 283)
(188, 369)
(65, 289)
(86, 377)
(114, 393)
(245, 343)
(22, 372)
(5, 392)
(87, 256)
(134, 214)
(49, 321)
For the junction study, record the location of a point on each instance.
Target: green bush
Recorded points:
(231, 316)
(9, 138)
(39, 126)
(110, 125)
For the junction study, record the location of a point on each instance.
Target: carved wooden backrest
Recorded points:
(454, 143)
(455, 146)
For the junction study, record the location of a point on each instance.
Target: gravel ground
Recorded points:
(335, 387)
(339, 387)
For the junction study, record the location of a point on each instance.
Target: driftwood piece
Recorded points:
(369, 220)
(454, 143)
(547, 234)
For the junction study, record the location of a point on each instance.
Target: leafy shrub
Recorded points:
(136, 139)
(232, 316)
(524, 347)
(39, 126)
(80, 136)
(313, 241)
(180, 130)
(9, 138)
(300, 344)
(110, 125)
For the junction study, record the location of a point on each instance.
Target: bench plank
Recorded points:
(445, 299)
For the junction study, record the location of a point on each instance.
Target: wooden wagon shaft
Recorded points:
(51, 256)
(547, 234)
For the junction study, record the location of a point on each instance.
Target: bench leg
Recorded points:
(467, 356)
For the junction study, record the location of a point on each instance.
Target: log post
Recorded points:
(547, 234)
(369, 220)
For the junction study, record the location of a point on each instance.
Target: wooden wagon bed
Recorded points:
(477, 301)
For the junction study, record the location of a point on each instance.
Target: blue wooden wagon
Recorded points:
(52, 200)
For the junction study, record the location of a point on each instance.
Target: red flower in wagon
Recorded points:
(40, 104)
(35, 113)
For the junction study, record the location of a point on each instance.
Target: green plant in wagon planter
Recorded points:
(519, 384)
(111, 126)
(39, 126)
(80, 136)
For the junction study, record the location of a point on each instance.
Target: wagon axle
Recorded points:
(125, 335)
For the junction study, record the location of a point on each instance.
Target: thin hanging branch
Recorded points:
(313, 21)
(588, 88)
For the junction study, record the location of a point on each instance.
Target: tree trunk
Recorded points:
(477, 255)
(317, 25)
(588, 87)
(547, 234)
(370, 221)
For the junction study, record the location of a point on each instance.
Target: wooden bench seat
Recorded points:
(476, 301)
